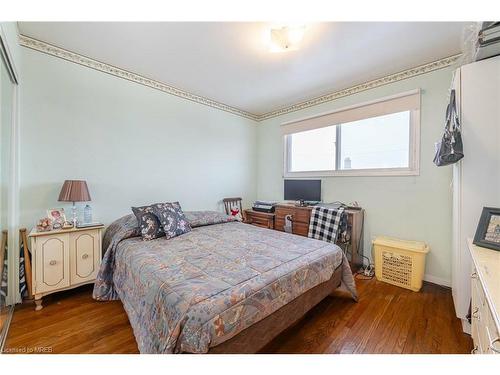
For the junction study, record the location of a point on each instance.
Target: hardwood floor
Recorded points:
(387, 319)
(71, 322)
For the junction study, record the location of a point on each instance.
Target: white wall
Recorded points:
(134, 145)
(416, 208)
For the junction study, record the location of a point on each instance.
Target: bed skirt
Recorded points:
(257, 336)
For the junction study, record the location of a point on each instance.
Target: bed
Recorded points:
(224, 287)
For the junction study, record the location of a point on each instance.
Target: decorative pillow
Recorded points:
(149, 223)
(172, 219)
(201, 218)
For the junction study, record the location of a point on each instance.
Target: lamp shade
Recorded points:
(74, 191)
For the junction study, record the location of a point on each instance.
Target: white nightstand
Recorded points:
(64, 259)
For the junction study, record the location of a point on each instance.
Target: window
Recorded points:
(378, 138)
(314, 150)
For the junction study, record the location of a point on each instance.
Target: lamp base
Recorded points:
(74, 215)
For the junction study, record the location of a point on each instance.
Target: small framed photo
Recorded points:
(57, 216)
(488, 230)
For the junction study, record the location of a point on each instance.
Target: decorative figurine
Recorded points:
(44, 225)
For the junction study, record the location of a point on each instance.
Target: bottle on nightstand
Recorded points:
(87, 214)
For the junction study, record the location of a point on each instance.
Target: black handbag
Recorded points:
(450, 149)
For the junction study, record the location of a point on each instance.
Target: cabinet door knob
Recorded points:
(85, 256)
(492, 345)
(52, 262)
(474, 275)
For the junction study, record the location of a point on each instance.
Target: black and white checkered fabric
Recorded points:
(325, 223)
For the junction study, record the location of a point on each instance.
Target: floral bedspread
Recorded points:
(197, 290)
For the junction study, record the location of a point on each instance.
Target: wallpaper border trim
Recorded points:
(405, 74)
(76, 58)
(61, 53)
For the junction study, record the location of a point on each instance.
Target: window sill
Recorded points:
(355, 173)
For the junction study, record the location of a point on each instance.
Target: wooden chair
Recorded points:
(233, 202)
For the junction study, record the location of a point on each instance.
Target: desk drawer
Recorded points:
(260, 221)
(300, 219)
(298, 227)
(298, 215)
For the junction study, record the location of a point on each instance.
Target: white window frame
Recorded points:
(413, 168)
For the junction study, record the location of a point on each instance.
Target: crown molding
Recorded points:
(405, 74)
(61, 53)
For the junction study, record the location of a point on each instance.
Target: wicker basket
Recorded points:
(400, 262)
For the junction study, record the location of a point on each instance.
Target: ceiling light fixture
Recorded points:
(286, 38)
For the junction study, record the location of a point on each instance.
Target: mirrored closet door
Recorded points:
(7, 84)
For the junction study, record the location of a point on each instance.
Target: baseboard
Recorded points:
(437, 280)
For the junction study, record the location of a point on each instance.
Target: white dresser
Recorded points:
(64, 259)
(485, 280)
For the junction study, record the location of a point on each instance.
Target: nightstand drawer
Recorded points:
(52, 263)
(84, 255)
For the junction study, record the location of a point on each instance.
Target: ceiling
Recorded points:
(231, 63)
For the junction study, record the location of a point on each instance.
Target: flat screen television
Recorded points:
(306, 190)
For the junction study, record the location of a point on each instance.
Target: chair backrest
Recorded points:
(232, 202)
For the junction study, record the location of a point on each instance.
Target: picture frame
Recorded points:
(57, 216)
(488, 230)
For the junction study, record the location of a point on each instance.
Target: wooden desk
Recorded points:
(300, 225)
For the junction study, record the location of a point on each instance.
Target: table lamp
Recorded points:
(74, 191)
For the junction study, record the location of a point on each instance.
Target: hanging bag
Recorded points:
(450, 149)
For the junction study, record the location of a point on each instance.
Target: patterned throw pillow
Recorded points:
(201, 218)
(149, 223)
(172, 219)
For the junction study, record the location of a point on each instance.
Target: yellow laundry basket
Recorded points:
(400, 262)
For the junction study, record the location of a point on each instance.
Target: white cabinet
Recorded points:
(476, 179)
(64, 259)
